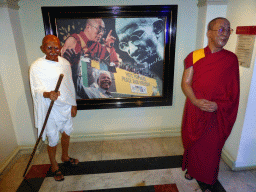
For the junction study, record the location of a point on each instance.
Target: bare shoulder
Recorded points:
(71, 39)
(70, 43)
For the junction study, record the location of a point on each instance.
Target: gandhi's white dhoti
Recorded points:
(44, 75)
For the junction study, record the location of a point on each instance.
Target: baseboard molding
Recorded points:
(244, 168)
(232, 164)
(227, 158)
(94, 136)
(15, 155)
(113, 135)
(9, 159)
(117, 135)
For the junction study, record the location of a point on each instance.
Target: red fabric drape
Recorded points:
(95, 48)
(215, 78)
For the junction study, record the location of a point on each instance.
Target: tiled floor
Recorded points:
(244, 181)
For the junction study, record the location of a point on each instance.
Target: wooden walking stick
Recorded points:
(45, 121)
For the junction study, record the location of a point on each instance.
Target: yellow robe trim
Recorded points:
(197, 55)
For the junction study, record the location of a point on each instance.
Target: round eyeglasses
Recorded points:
(134, 38)
(100, 29)
(222, 30)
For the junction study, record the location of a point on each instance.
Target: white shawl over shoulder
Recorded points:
(44, 75)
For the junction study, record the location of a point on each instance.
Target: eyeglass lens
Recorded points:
(100, 29)
(221, 30)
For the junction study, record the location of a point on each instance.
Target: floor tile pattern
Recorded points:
(129, 150)
(123, 174)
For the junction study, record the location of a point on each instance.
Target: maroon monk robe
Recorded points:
(95, 48)
(215, 78)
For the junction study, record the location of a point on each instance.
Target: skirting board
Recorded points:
(15, 155)
(117, 135)
(110, 135)
(227, 158)
(231, 162)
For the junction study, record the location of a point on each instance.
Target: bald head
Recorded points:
(50, 38)
(95, 22)
(218, 33)
(51, 47)
(213, 22)
(142, 38)
(95, 29)
(124, 24)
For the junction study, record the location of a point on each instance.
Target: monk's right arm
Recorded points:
(187, 89)
(186, 84)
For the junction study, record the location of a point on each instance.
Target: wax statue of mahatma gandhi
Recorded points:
(44, 73)
(211, 84)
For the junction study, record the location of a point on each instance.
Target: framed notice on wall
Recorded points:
(244, 49)
(120, 56)
(245, 44)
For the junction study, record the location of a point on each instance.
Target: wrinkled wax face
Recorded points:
(51, 47)
(216, 38)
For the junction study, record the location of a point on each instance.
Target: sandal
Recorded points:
(58, 173)
(187, 176)
(71, 162)
(206, 187)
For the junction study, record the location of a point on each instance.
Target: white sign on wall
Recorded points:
(244, 49)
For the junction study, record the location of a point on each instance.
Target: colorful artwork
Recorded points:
(120, 56)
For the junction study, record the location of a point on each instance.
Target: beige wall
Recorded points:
(8, 141)
(22, 51)
(119, 120)
(242, 13)
(16, 127)
(12, 78)
(239, 150)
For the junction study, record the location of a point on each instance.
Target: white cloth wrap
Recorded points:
(44, 75)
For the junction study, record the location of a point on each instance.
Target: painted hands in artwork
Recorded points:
(72, 57)
(110, 40)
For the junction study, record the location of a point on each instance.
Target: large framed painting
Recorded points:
(120, 56)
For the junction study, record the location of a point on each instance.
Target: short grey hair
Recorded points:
(100, 72)
(213, 22)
